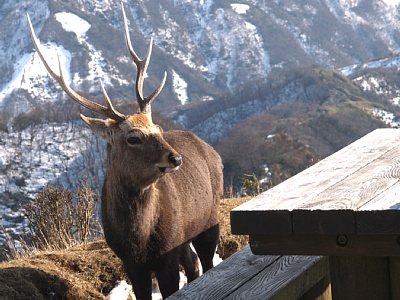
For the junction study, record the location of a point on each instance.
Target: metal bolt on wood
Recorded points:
(341, 240)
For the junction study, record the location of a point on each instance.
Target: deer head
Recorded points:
(137, 151)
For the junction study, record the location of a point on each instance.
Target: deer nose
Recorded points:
(176, 160)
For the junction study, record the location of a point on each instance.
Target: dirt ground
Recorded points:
(86, 271)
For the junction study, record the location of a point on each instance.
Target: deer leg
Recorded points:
(140, 277)
(167, 272)
(205, 244)
(189, 262)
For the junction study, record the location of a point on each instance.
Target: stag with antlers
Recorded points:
(161, 189)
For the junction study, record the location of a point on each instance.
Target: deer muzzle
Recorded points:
(174, 161)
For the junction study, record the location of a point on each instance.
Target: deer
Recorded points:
(161, 189)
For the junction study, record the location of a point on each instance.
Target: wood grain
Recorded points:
(228, 276)
(332, 211)
(299, 189)
(358, 187)
(247, 276)
(347, 207)
(353, 191)
(288, 278)
(386, 200)
(382, 214)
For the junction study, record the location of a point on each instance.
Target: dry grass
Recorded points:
(229, 243)
(82, 272)
(87, 271)
(58, 219)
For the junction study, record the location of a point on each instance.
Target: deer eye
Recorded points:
(133, 140)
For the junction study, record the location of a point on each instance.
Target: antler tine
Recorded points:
(108, 111)
(141, 65)
(154, 94)
(110, 106)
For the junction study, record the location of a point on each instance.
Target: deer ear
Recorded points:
(101, 128)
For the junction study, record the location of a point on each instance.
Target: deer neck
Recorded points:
(134, 213)
(141, 201)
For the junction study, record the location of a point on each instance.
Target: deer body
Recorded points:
(161, 189)
(143, 224)
(161, 210)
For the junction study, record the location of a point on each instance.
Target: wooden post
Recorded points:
(360, 278)
(394, 263)
(321, 291)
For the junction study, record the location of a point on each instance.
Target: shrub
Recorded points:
(58, 220)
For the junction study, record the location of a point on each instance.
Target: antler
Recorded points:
(108, 111)
(141, 65)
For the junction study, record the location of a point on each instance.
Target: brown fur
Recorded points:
(150, 216)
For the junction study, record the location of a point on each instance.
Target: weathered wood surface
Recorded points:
(228, 276)
(394, 265)
(354, 191)
(288, 278)
(248, 276)
(360, 278)
(348, 207)
(342, 245)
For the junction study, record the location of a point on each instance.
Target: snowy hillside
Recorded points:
(208, 47)
(32, 158)
(227, 61)
(40, 155)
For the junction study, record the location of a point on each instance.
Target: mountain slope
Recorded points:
(294, 80)
(209, 48)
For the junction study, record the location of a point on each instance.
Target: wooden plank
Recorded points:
(300, 189)
(243, 222)
(388, 199)
(378, 222)
(288, 278)
(323, 222)
(359, 187)
(338, 245)
(382, 214)
(332, 210)
(229, 275)
(360, 278)
(304, 186)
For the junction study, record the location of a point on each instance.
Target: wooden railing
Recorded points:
(342, 216)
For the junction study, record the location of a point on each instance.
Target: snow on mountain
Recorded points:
(208, 47)
(180, 87)
(240, 8)
(72, 23)
(40, 155)
(391, 2)
(211, 42)
(212, 50)
(31, 75)
(215, 46)
(387, 117)
(386, 62)
(14, 40)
